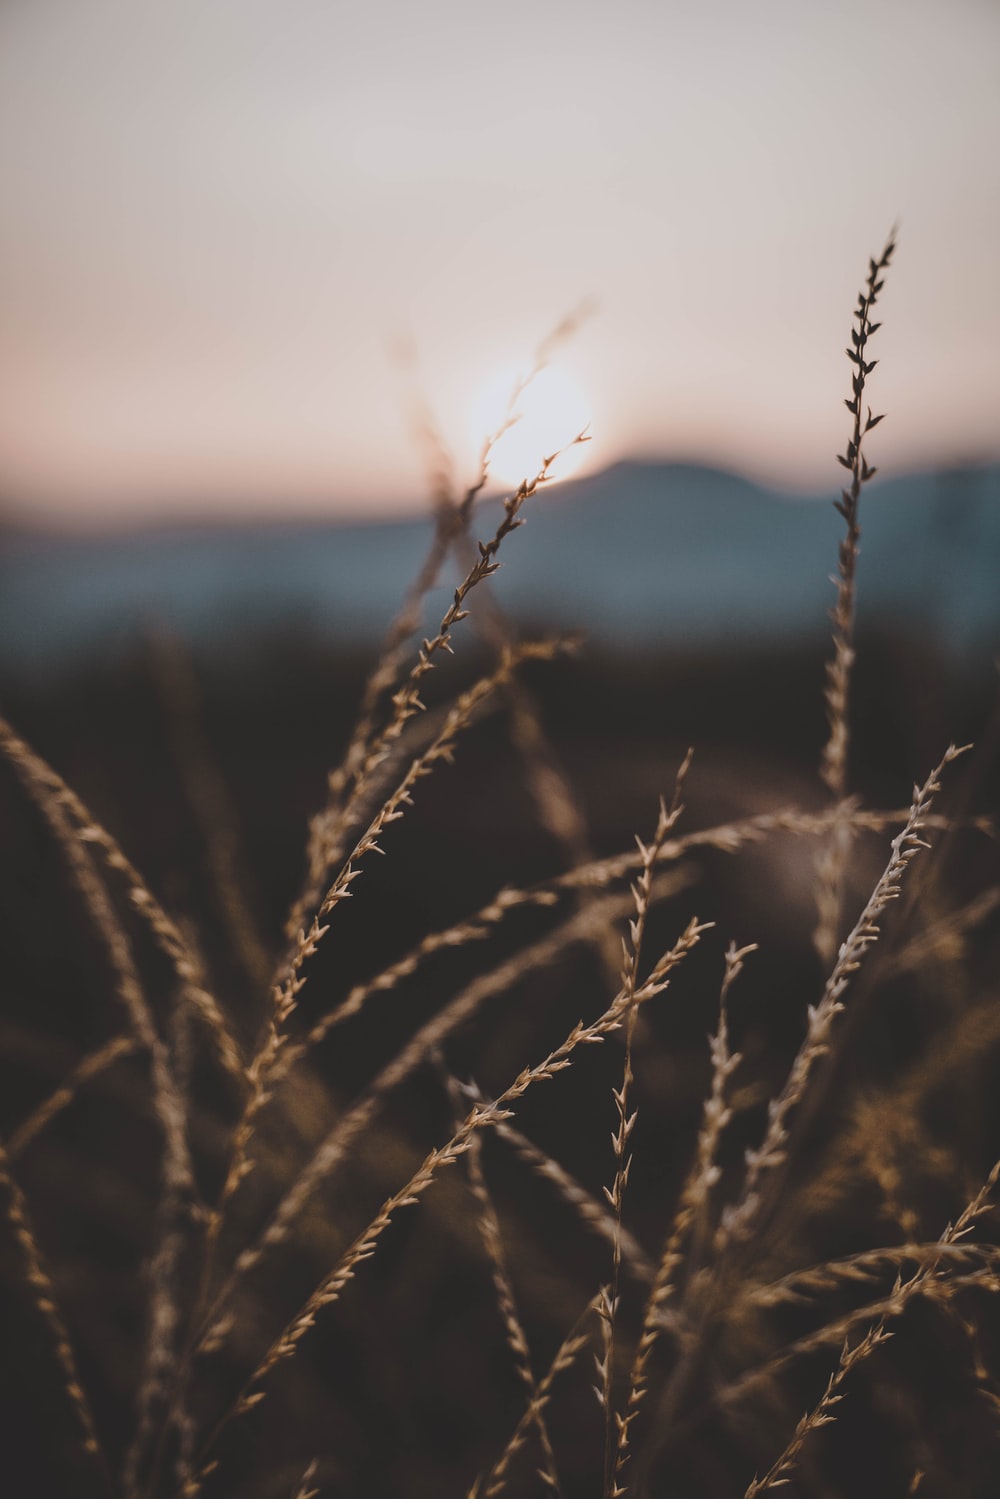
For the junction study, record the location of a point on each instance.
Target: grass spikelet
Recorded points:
(64, 814)
(821, 1017)
(264, 1068)
(304, 1489)
(419, 1049)
(791, 1275)
(45, 790)
(939, 1274)
(452, 518)
(556, 805)
(477, 928)
(732, 837)
(44, 1297)
(821, 1413)
(592, 1213)
(162, 1410)
(940, 1288)
(569, 1350)
(632, 954)
(73, 825)
(728, 837)
(327, 828)
(833, 763)
(492, 1238)
(406, 701)
(691, 1210)
(803, 1286)
(479, 1117)
(90, 1067)
(209, 798)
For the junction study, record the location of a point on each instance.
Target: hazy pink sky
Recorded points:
(217, 217)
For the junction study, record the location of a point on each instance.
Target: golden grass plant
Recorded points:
(661, 1334)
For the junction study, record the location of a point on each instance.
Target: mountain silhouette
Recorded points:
(642, 553)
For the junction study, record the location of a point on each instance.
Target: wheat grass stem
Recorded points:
(492, 1238)
(690, 1213)
(479, 1117)
(492, 1483)
(833, 858)
(821, 1017)
(631, 958)
(211, 803)
(263, 1070)
(44, 1297)
(418, 1050)
(48, 789)
(729, 837)
(373, 746)
(91, 1066)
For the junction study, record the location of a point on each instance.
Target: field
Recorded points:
(628, 1128)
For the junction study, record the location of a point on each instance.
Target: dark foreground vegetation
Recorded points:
(308, 1194)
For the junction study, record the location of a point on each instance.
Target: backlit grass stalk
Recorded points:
(372, 748)
(733, 1241)
(556, 806)
(407, 701)
(821, 1414)
(63, 813)
(479, 1117)
(925, 1278)
(90, 1067)
(936, 1287)
(737, 1221)
(514, 1333)
(876, 1126)
(210, 801)
(304, 1489)
(802, 1287)
(832, 863)
(632, 955)
(476, 929)
(569, 1350)
(327, 829)
(592, 1213)
(729, 838)
(48, 789)
(420, 1049)
(691, 1212)
(733, 837)
(44, 1298)
(262, 1070)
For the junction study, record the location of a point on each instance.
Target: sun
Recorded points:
(548, 413)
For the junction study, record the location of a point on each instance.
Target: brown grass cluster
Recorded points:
(702, 1341)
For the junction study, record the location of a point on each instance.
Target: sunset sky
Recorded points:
(221, 221)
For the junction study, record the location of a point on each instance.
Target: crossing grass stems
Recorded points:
(705, 1274)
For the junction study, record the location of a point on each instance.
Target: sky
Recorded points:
(245, 243)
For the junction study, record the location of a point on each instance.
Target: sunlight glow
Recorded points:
(549, 413)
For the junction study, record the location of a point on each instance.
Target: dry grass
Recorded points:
(765, 1256)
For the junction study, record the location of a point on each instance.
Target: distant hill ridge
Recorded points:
(641, 553)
